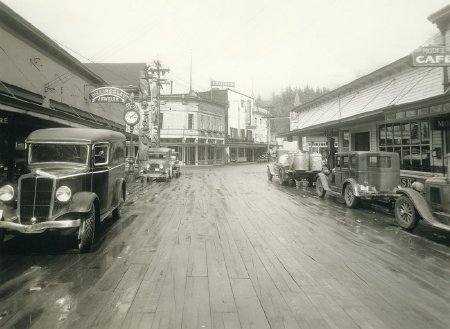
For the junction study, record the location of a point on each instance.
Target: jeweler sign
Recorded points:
(431, 56)
(108, 95)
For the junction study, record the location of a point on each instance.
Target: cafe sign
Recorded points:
(109, 95)
(431, 56)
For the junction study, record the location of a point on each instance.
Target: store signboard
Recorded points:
(222, 84)
(431, 56)
(109, 95)
(440, 123)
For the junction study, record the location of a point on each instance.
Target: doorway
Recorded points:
(362, 141)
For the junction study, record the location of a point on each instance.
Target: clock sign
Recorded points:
(131, 117)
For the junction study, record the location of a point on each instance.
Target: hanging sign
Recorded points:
(109, 95)
(431, 56)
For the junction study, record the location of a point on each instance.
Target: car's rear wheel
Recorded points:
(86, 231)
(319, 188)
(269, 174)
(406, 214)
(351, 200)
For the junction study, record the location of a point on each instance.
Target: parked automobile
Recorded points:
(158, 164)
(263, 157)
(295, 166)
(362, 175)
(75, 179)
(176, 165)
(429, 202)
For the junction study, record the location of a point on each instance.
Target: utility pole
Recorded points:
(157, 71)
(268, 116)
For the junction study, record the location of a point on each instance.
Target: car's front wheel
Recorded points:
(351, 200)
(86, 231)
(406, 214)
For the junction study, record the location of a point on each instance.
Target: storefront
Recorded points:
(41, 86)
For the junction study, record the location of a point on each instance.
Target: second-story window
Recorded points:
(190, 121)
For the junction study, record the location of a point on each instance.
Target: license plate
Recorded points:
(1, 213)
(156, 169)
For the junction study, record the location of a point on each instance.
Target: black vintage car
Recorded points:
(360, 175)
(75, 178)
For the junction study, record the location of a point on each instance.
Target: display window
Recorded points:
(411, 140)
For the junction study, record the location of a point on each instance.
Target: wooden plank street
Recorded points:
(224, 248)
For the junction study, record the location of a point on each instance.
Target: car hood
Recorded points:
(56, 172)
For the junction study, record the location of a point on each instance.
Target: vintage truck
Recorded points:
(75, 178)
(428, 201)
(295, 166)
(360, 175)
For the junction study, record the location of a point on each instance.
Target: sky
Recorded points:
(264, 46)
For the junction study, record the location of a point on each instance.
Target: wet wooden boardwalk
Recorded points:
(223, 248)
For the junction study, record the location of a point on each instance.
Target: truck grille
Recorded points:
(153, 166)
(35, 199)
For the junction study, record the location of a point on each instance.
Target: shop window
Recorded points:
(389, 135)
(201, 153)
(241, 152)
(397, 134)
(406, 134)
(382, 130)
(345, 141)
(425, 131)
(411, 141)
(210, 153)
(415, 133)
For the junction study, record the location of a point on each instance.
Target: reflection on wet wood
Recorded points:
(223, 248)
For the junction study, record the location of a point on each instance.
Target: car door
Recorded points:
(100, 174)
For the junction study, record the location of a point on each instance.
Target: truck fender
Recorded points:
(82, 201)
(419, 203)
(324, 180)
(354, 185)
(120, 183)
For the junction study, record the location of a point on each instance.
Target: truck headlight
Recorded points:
(63, 194)
(6, 193)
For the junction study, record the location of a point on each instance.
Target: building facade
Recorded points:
(399, 108)
(240, 124)
(193, 127)
(41, 85)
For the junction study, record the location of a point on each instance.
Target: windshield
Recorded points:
(157, 155)
(73, 153)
